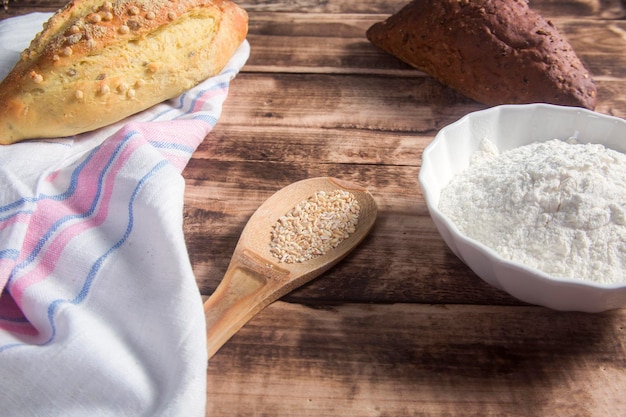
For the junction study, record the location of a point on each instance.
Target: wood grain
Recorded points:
(420, 360)
(365, 116)
(401, 327)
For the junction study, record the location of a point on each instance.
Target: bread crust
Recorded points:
(96, 62)
(493, 51)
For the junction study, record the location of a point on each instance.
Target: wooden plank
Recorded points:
(607, 9)
(329, 101)
(249, 142)
(610, 9)
(283, 48)
(419, 105)
(338, 43)
(409, 360)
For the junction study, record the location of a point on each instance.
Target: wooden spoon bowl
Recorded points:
(255, 277)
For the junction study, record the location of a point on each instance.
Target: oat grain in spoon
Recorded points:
(294, 236)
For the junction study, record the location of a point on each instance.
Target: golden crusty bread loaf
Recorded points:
(96, 62)
(493, 51)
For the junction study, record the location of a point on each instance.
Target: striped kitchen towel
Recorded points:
(100, 314)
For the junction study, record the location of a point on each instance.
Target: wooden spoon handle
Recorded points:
(249, 285)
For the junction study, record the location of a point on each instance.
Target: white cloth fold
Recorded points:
(100, 314)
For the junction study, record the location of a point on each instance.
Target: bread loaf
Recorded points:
(96, 62)
(493, 51)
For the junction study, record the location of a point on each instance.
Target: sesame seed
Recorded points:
(150, 15)
(74, 39)
(133, 10)
(94, 18)
(67, 51)
(140, 83)
(132, 24)
(130, 93)
(171, 15)
(314, 226)
(107, 16)
(152, 67)
(79, 94)
(105, 89)
(124, 29)
(37, 78)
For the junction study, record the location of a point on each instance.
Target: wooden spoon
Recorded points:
(255, 277)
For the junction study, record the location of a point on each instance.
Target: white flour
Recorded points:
(556, 206)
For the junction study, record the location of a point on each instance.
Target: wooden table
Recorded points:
(401, 327)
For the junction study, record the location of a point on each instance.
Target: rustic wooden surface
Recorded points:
(401, 327)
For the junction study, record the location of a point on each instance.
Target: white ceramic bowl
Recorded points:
(511, 126)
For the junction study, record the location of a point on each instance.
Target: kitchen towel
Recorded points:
(100, 314)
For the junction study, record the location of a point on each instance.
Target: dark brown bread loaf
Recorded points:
(493, 51)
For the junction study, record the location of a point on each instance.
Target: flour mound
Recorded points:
(556, 206)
